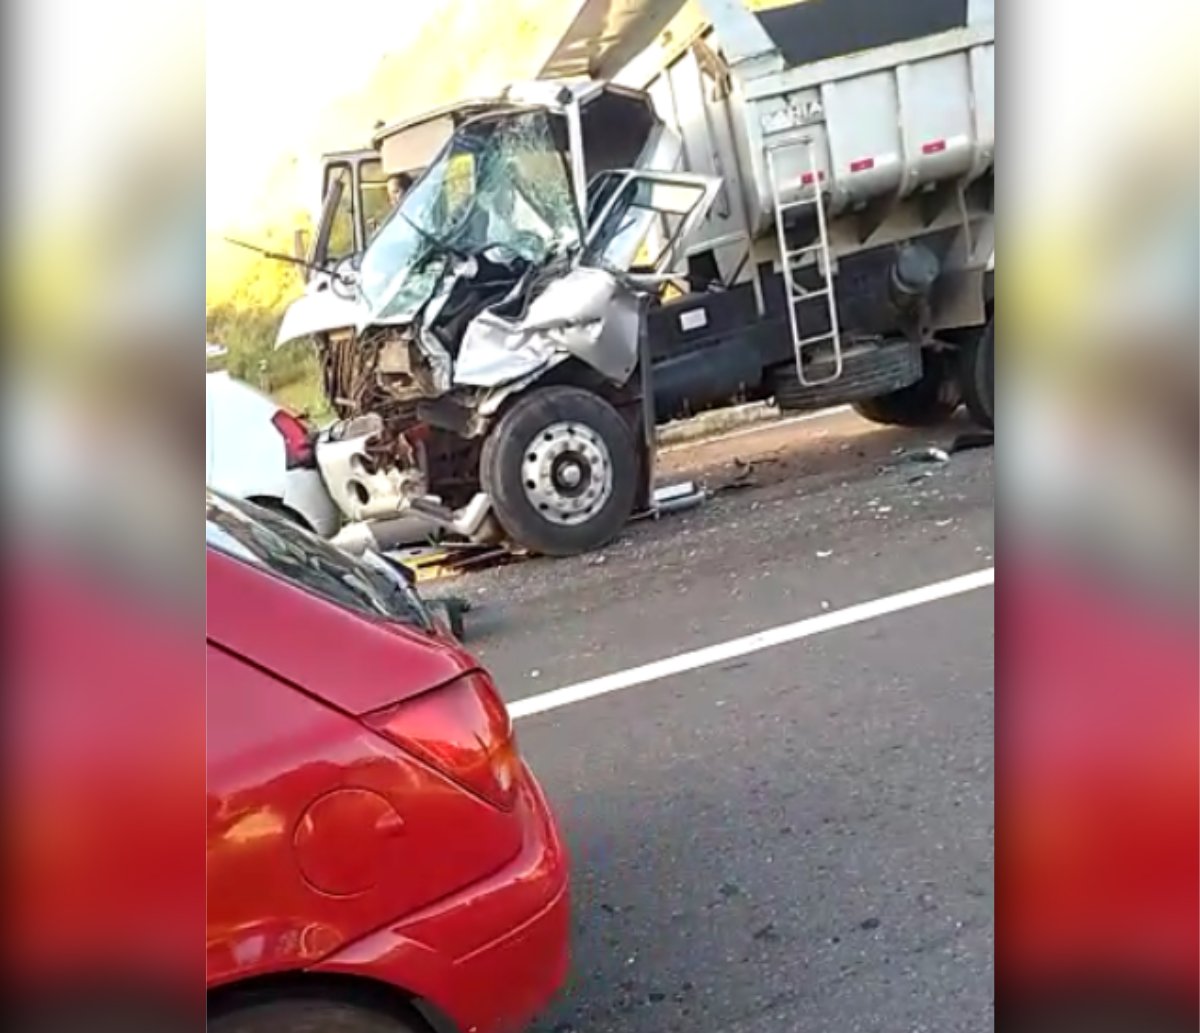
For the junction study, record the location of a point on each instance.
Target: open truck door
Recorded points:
(639, 221)
(354, 205)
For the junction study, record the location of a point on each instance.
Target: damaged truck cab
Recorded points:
(480, 343)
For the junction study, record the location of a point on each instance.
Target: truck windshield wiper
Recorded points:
(280, 256)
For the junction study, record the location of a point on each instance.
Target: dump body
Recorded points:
(886, 121)
(855, 144)
(898, 101)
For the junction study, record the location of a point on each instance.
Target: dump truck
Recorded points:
(849, 255)
(694, 204)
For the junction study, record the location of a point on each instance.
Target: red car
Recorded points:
(379, 856)
(1097, 807)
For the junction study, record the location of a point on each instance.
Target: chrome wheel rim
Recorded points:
(567, 473)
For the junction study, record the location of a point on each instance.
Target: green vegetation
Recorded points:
(244, 305)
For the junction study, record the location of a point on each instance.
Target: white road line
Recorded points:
(760, 640)
(755, 428)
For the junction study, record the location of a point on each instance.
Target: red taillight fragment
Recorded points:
(298, 447)
(461, 729)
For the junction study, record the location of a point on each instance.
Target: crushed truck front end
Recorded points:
(517, 262)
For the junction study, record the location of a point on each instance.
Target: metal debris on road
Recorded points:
(933, 454)
(673, 498)
(674, 494)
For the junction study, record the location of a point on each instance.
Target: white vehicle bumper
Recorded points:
(304, 492)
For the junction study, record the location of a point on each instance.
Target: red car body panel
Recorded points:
(294, 636)
(334, 850)
(1098, 806)
(470, 938)
(104, 763)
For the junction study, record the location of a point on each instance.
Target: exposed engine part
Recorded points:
(376, 381)
(447, 414)
(374, 371)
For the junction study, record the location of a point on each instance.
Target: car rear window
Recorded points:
(263, 539)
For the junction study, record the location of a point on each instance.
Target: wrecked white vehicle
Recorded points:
(481, 349)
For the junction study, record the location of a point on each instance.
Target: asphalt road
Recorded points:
(798, 838)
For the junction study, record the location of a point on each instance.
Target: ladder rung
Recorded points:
(797, 204)
(804, 342)
(810, 295)
(801, 252)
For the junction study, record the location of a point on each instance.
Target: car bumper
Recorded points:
(305, 492)
(489, 958)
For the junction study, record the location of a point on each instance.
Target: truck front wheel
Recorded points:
(561, 468)
(930, 401)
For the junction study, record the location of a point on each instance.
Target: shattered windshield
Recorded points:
(501, 182)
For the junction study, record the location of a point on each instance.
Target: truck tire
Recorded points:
(977, 376)
(307, 1015)
(930, 401)
(561, 468)
(868, 370)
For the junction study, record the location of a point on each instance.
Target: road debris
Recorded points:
(450, 559)
(973, 439)
(675, 497)
(743, 475)
(932, 454)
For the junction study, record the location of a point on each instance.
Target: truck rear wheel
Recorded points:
(561, 468)
(930, 401)
(977, 376)
(868, 370)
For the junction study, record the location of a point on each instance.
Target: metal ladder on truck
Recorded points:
(791, 260)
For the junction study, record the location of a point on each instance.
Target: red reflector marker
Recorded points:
(862, 165)
(807, 178)
(934, 147)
